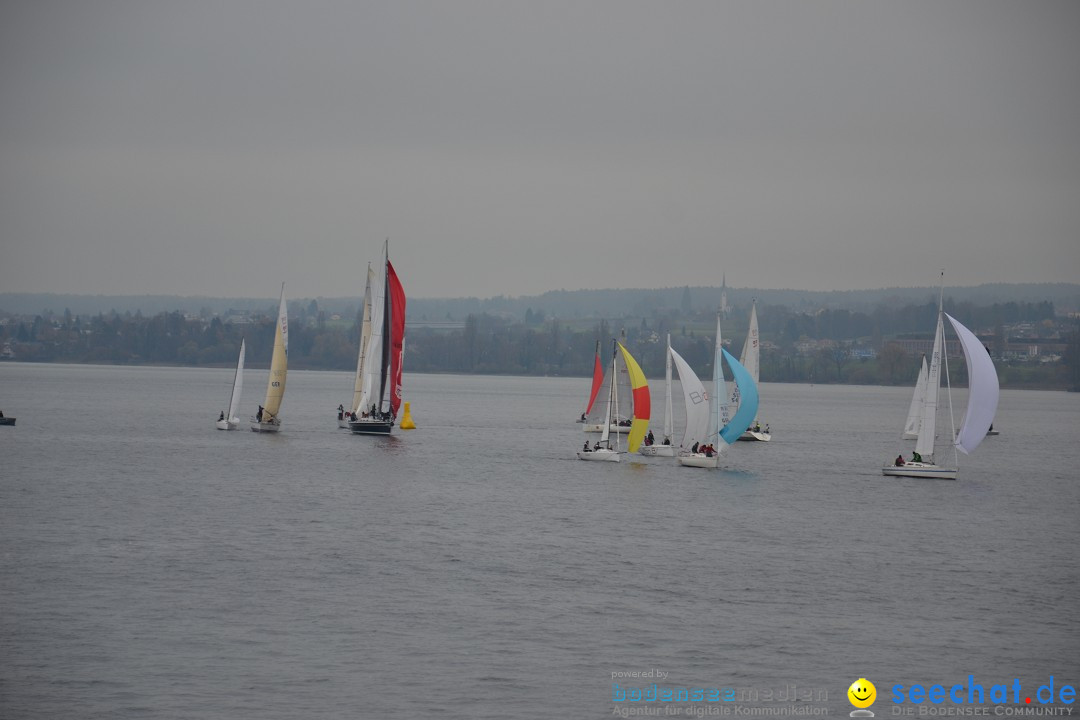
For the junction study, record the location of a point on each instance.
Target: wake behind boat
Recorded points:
(266, 419)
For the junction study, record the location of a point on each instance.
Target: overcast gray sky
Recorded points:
(220, 147)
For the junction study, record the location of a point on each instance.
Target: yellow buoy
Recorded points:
(406, 420)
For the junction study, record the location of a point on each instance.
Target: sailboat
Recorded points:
(228, 419)
(267, 420)
(638, 425)
(983, 391)
(720, 429)
(751, 360)
(621, 419)
(914, 416)
(664, 448)
(597, 381)
(345, 414)
(380, 392)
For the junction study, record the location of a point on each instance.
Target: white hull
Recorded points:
(760, 436)
(233, 424)
(920, 470)
(657, 450)
(266, 427)
(601, 455)
(700, 461)
(992, 432)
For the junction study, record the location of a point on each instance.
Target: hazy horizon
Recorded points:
(513, 148)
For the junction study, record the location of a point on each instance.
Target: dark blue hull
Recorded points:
(371, 427)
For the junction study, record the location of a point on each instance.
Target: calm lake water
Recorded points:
(154, 567)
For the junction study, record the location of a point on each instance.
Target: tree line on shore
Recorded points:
(844, 346)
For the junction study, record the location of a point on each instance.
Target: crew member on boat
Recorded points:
(899, 461)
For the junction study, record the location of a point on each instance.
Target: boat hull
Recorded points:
(759, 436)
(920, 470)
(233, 424)
(602, 455)
(371, 427)
(699, 460)
(266, 427)
(7, 421)
(343, 423)
(657, 450)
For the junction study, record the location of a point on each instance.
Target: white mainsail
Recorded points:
(279, 362)
(365, 337)
(911, 427)
(983, 390)
(751, 351)
(924, 445)
(372, 375)
(238, 384)
(696, 400)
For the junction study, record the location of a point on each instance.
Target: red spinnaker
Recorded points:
(397, 335)
(597, 380)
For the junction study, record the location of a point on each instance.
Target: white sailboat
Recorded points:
(267, 419)
(620, 420)
(914, 417)
(983, 391)
(603, 451)
(228, 419)
(638, 424)
(751, 360)
(380, 392)
(353, 411)
(664, 448)
(720, 430)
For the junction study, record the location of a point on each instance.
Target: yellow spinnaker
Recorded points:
(640, 386)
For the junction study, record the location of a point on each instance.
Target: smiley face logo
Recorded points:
(862, 693)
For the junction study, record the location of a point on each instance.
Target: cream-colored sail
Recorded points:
(365, 336)
(279, 363)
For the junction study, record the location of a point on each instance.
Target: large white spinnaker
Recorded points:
(983, 390)
(696, 400)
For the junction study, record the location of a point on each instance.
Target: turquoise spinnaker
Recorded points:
(748, 401)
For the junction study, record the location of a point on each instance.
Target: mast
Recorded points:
(612, 395)
(667, 391)
(948, 384)
(386, 326)
(719, 387)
